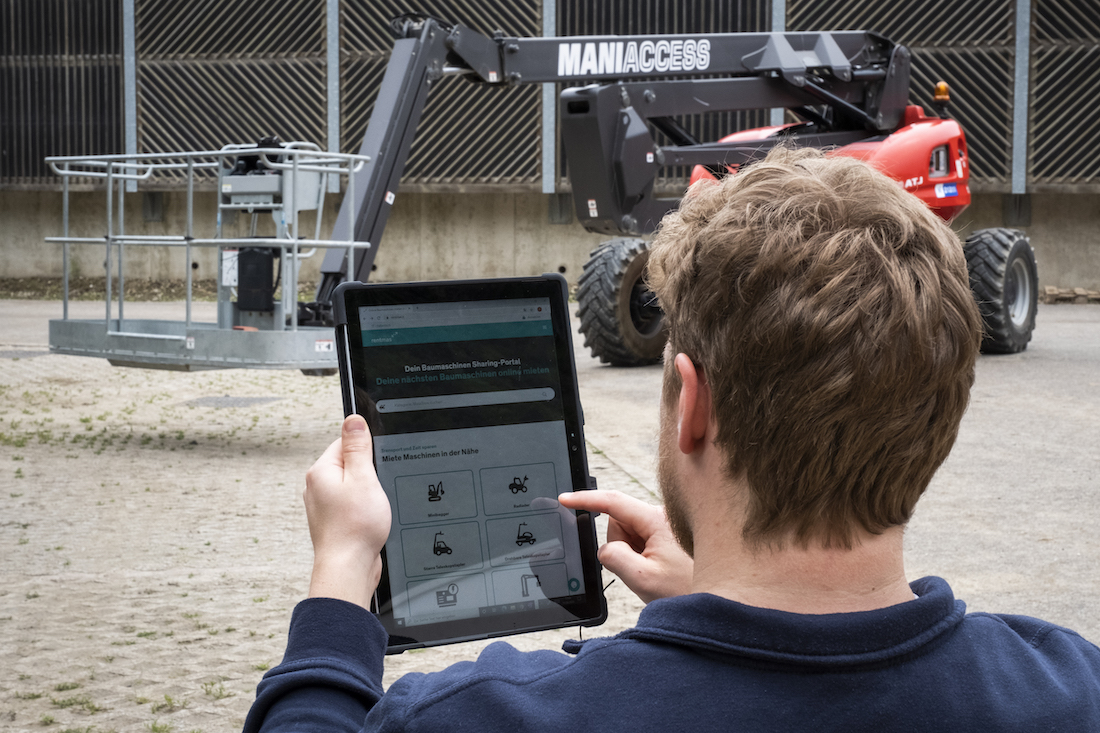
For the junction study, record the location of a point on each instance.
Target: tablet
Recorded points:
(470, 391)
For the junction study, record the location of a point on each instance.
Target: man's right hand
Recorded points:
(640, 548)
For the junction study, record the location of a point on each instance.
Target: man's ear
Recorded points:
(693, 407)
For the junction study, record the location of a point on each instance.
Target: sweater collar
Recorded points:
(710, 623)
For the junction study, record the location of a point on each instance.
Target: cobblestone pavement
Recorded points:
(153, 543)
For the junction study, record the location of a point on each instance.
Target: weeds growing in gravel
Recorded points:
(216, 690)
(80, 701)
(170, 705)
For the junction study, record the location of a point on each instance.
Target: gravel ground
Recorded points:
(154, 543)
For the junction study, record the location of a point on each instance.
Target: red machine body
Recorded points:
(926, 155)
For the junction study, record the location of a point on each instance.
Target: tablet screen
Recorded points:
(470, 392)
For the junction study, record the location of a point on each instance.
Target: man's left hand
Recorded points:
(349, 518)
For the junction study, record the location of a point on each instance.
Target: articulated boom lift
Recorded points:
(848, 90)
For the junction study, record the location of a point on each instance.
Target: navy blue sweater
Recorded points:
(698, 663)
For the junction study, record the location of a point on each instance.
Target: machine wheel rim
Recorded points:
(645, 314)
(1018, 293)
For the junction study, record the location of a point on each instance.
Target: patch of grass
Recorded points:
(155, 726)
(95, 288)
(28, 695)
(16, 441)
(261, 667)
(46, 720)
(216, 690)
(66, 686)
(80, 701)
(170, 705)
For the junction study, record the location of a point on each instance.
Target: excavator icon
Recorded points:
(435, 491)
(524, 538)
(440, 547)
(517, 486)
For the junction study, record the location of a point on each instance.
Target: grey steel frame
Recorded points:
(188, 345)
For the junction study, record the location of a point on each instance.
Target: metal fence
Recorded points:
(209, 74)
(1065, 68)
(60, 84)
(205, 74)
(969, 45)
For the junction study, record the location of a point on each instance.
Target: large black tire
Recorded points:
(621, 321)
(1005, 283)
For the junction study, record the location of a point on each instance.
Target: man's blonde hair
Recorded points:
(830, 314)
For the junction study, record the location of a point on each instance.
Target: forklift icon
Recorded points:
(523, 538)
(448, 597)
(435, 491)
(440, 547)
(517, 485)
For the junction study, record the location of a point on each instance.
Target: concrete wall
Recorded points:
(1064, 231)
(435, 236)
(429, 236)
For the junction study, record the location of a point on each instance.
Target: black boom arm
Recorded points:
(847, 86)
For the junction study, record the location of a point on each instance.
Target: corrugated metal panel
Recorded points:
(242, 29)
(216, 73)
(981, 99)
(584, 17)
(1055, 21)
(968, 45)
(60, 84)
(1064, 134)
(364, 27)
(913, 22)
(469, 135)
(204, 105)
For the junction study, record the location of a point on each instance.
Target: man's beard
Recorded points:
(671, 490)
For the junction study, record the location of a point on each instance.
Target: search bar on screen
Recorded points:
(465, 399)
